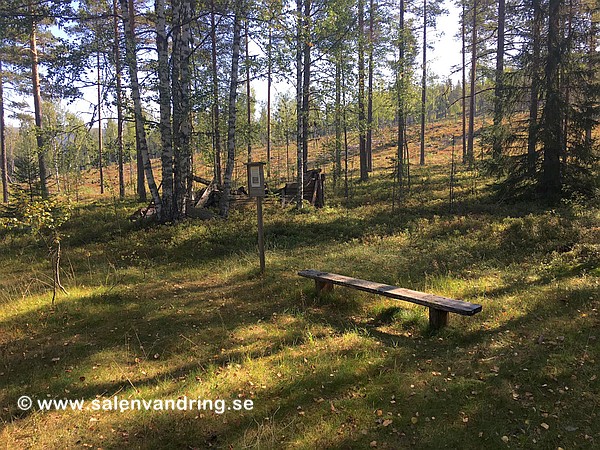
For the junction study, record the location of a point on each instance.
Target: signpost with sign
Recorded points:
(256, 188)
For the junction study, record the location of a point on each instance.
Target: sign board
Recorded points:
(256, 188)
(256, 179)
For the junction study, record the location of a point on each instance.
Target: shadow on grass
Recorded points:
(460, 377)
(327, 392)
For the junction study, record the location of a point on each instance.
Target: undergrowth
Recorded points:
(169, 311)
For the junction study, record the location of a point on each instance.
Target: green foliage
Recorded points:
(566, 148)
(34, 214)
(181, 310)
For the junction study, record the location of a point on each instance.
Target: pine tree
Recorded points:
(3, 155)
(141, 143)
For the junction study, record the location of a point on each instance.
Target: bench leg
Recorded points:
(437, 318)
(323, 286)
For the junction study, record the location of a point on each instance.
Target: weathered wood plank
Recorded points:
(420, 298)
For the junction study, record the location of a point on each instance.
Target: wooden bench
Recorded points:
(439, 307)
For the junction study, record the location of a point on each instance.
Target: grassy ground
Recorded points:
(166, 312)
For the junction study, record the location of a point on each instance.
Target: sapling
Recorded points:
(43, 218)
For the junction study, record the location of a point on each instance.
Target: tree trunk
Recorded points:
(564, 77)
(532, 137)
(3, 158)
(591, 63)
(164, 94)
(215, 92)
(553, 114)
(181, 93)
(299, 115)
(248, 94)
(100, 143)
(128, 15)
(306, 84)
(423, 85)
(401, 94)
(337, 169)
(131, 59)
(235, 59)
(369, 142)
(499, 88)
(56, 170)
(364, 172)
(117, 56)
(37, 105)
(269, 71)
(345, 129)
(470, 136)
(176, 61)
(464, 82)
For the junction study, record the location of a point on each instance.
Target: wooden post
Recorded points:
(323, 286)
(256, 188)
(437, 318)
(261, 238)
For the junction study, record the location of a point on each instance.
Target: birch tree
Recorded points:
(37, 102)
(216, 116)
(164, 93)
(181, 86)
(231, 123)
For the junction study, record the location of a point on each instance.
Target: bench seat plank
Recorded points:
(420, 298)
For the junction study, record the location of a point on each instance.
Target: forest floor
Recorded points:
(173, 312)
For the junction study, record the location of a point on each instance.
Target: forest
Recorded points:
(128, 242)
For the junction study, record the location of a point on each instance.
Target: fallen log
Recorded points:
(201, 180)
(208, 196)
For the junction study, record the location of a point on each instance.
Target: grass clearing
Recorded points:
(168, 312)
